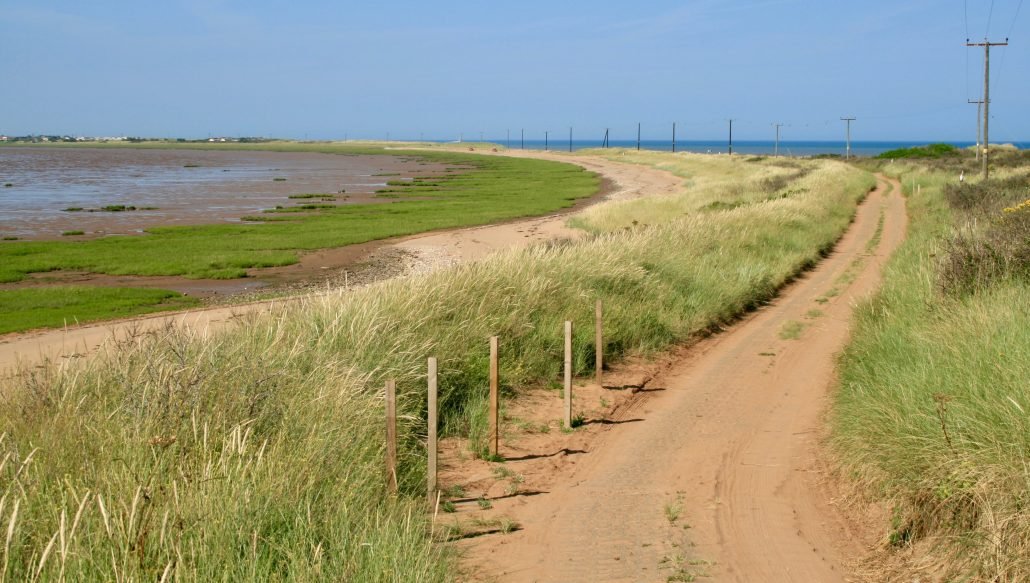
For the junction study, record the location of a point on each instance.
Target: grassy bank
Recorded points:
(932, 409)
(58, 306)
(257, 454)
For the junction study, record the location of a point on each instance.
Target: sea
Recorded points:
(749, 147)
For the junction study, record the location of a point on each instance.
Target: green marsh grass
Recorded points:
(56, 306)
(932, 412)
(256, 453)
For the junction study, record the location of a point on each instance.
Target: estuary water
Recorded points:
(172, 187)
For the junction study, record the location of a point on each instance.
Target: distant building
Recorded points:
(3, 138)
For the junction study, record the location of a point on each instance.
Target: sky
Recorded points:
(322, 69)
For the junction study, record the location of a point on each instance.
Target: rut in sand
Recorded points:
(722, 475)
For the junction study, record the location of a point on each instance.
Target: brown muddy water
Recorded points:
(175, 187)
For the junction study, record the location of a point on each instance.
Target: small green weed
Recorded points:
(791, 330)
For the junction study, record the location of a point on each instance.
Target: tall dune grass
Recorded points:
(257, 454)
(933, 408)
(711, 183)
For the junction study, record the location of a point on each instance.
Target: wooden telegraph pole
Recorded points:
(847, 152)
(986, 44)
(776, 150)
(731, 137)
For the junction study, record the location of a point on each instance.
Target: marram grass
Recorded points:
(257, 454)
(933, 412)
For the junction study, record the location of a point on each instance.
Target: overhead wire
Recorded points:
(1014, 19)
(1005, 52)
(965, 14)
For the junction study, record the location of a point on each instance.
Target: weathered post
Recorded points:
(391, 436)
(494, 399)
(598, 340)
(568, 374)
(431, 443)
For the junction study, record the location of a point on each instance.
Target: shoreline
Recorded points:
(409, 255)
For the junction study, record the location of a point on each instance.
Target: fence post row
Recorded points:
(391, 436)
(431, 442)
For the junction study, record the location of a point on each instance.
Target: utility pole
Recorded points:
(523, 138)
(673, 137)
(570, 138)
(987, 96)
(847, 152)
(638, 136)
(979, 123)
(508, 143)
(545, 139)
(776, 150)
(604, 144)
(731, 137)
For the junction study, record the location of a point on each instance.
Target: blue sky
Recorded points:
(326, 70)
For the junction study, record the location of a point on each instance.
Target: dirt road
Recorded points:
(430, 251)
(716, 470)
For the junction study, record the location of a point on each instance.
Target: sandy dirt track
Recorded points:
(430, 251)
(716, 471)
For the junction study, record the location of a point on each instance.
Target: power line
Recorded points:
(1001, 66)
(990, 14)
(965, 11)
(1015, 18)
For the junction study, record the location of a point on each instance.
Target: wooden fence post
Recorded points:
(598, 340)
(431, 441)
(494, 429)
(391, 436)
(568, 374)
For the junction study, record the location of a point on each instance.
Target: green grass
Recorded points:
(493, 189)
(53, 307)
(928, 151)
(257, 453)
(791, 330)
(932, 413)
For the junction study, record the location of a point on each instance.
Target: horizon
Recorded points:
(322, 71)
